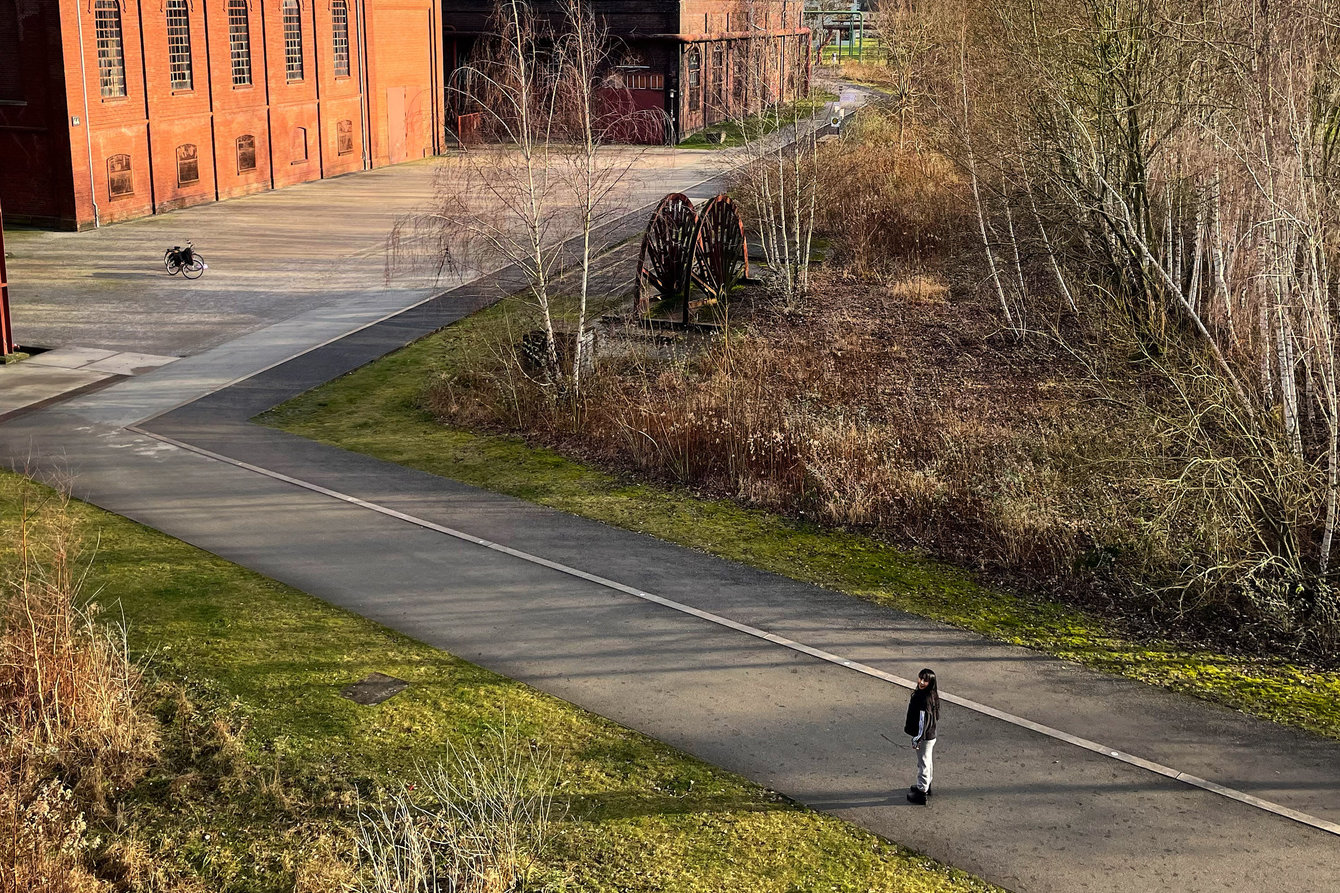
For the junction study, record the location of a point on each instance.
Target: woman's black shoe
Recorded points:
(916, 797)
(930, 791)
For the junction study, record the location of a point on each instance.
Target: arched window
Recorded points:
(239, 41)
(344, 137)
(339, 12)
(292, 40)
(299, 148)
(246, 153)
(188, 164)
(120, 178)
(179, 45)
(111, 58)
(11, 79)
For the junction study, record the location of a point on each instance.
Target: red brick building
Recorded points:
(111, 109)
(700, 61)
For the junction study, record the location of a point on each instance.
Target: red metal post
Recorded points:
(6, 330)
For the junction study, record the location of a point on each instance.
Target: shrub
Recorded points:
(71, 720)
(480, 825)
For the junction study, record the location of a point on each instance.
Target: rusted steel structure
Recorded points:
(683, 247)
(720, 250)
(7, 345)
(666, 258)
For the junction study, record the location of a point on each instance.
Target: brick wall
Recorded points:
(166, 144)
(743, 52)
(719, 16)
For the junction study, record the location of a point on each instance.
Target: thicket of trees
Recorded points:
(1166, 169)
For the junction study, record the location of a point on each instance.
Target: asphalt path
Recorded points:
(1014, 805)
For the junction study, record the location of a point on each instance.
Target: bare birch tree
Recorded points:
(776, 162)
(544, 173)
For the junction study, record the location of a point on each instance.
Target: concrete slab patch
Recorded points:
(70, 357)
(130, 363)
(23, 384)
(376, 688)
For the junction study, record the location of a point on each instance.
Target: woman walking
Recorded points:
(922, 713)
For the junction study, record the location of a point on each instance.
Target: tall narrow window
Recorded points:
(292, 40)
(179, 45)
(11, 81)
(719, 74)
(246, 153)
(111, 60)
(120, 178)
(239, 42)
(344, 137)
(340, 16)
(695, 78)
(299, 146)
(188, 164)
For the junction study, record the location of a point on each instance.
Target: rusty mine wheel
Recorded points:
(720, 251)
(664, 267)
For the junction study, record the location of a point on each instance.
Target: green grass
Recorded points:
(376, 410)
(757, 125)
(868, 50)
(272, 660)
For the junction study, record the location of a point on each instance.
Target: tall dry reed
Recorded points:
(71, 724)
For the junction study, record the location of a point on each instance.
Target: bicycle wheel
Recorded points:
(170, 262)
(195, 269)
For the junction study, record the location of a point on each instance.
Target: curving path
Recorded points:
(786, 683)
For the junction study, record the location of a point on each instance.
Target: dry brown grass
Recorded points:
(892, 403)
(889, 203)
(73, 727)
(895, 401)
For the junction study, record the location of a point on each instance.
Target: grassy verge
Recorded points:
(376, 410)
(272, 661)
(710, 137)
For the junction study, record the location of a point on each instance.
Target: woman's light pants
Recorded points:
(924, 765)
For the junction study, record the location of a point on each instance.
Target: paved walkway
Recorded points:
(272, 256)
(570, 606)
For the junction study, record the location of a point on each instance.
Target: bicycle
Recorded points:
(187, 261)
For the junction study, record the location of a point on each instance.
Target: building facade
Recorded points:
(698, 61)
(111, 109)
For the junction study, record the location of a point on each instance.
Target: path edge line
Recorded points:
(800, 647)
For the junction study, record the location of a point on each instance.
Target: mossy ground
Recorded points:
(377, 411)
(270, 661)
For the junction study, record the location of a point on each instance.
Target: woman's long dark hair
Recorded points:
(931, 691)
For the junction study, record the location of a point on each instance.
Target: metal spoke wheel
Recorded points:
(665, 264)
(720, 252)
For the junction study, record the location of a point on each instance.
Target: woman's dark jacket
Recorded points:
(915, 708)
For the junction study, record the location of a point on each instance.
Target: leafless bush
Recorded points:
(1166, 170)
(551, 102)
(481, 824)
